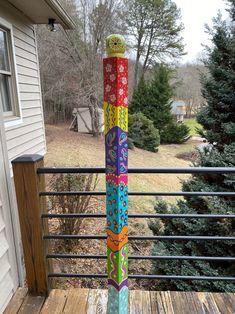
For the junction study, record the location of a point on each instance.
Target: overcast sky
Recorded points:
(195, 14)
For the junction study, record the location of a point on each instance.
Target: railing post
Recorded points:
(116, 147)
(28, 185)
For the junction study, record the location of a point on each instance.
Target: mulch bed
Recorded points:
(96, 247)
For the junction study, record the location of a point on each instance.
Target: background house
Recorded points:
(21, 118)
(178, 109)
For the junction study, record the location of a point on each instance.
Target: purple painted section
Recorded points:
(116, 146)
(118, 287)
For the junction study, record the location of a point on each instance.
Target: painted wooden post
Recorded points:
(28, 185)
(116, 147)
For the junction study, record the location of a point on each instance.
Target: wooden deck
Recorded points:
(93, 301)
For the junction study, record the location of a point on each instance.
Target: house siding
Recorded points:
(26, 136)
(9, 278)
(6, 281)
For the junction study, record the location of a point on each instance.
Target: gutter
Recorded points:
(66, 20)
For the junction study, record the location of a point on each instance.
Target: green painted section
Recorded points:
(116, 260)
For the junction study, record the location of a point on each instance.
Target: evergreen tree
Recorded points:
(161, 93)
(218, 120)
(142, 133)
(153, 99)
(140, 96)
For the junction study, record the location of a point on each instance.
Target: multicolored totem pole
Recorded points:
(116, 147)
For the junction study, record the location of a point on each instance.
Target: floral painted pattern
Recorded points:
(116, 81)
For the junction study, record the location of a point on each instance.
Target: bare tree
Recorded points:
(189, 87)
(71, 61)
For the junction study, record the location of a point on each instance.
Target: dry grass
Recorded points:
(71, 148)
(66, 148)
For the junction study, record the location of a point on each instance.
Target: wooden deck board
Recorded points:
(207, 303)
(76, 301)
(93, 301)
(55, 303)
(192, 302)
(16, 301)
(31, 305)
(97, 301)
(161, 302)
(225, 302)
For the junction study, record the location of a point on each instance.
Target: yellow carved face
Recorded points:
(115, 45)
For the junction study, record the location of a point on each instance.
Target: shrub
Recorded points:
(131, 144)
(68, 204)
(142, 132)
(175, 134)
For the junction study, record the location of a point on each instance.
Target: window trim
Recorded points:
(13, 117)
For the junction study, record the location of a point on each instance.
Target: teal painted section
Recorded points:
(119, 304)
(117, 206)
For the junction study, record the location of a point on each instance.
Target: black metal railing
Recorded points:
(146, 216)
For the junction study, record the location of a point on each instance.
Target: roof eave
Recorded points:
(67, 21)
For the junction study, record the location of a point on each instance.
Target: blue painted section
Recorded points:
(116, 206)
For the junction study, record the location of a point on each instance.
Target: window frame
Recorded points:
(14, 116)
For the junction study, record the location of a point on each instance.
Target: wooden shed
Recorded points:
(82, 120)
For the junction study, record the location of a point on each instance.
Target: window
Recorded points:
(7, 82)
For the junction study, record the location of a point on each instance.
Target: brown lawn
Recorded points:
(67, 148)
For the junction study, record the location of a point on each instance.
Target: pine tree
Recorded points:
(153, 98)
(140, 96)
(161, 93)
(218, 120)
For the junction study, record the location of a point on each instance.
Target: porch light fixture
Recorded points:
(51, 25)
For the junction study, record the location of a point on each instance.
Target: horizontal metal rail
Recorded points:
(133, 257)
(54, 170)
(73, 193)
(77, 256)
(85, 215)
(165, 277)
(193, 170)
(70, 275)
(103, 193)
(139, 238)
(221, 170)
(163, 216)
(174, 277)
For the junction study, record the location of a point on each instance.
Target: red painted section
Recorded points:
(116, 81)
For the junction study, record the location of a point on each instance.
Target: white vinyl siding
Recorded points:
(8, 270)
(23, 135)
(6, 280)
(27, 136)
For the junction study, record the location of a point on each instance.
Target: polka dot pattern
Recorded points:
(117, 205)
